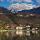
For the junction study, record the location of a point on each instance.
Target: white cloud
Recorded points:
(18, 6)
(23, 6)
(20, 1)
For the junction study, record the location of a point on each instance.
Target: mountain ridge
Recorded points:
(35, 10)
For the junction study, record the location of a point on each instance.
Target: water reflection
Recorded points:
(20, 35)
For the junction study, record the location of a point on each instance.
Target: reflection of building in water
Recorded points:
(27, 33)
(26, 30)
(19, 32)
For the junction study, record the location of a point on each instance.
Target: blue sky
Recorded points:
(6, 3)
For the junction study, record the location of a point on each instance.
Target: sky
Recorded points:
(4, 3)
(8, 3)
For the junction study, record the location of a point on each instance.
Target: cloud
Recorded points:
(35, 6)
(38, 1)
(20, 1)
(23, 0)
(24, 6)
(1, 0)
(18, 6)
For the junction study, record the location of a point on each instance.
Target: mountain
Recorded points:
(4, 10)
(35, 11)
(5, 20)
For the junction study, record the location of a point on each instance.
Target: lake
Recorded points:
(20, 35)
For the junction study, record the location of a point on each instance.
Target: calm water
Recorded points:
(20, 35)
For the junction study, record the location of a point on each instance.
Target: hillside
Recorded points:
(5, 21)
(23, 17)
